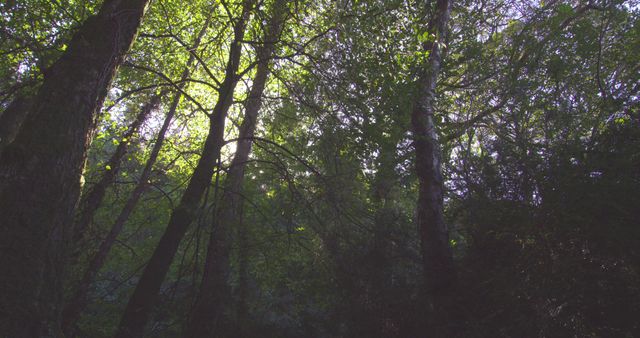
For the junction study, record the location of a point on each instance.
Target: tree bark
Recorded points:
(40, 170)
(439, 272)
(214, 290)
(144, 296)
(93, 198)
(242, 292)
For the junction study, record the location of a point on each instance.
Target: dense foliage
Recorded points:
(537, 113)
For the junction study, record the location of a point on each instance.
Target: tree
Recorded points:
(77, 303)
(439, 270)
(279, 185)
(214, 293)
(41, 169)
(92, 199)
(143, 298)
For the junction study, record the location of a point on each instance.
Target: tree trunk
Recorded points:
(40, 171)
(144, 296)
(11, 120)
(214, 290)
(93, 198)
(78, 302)
(242, 292)
(434, 236)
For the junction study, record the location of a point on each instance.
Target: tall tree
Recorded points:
(143, 299)
(439, 272)
(214, 292)
(40, 171)
(311, 229)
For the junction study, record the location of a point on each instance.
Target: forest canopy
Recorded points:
(319, 168)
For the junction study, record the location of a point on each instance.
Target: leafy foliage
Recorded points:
(538, 117)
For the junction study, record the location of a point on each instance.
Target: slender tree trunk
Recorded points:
(214, 290)
(12, 118)
(78, 301)
(91, 201)
(40, 170)
(144, 296)
(439, 269)
(242, 292)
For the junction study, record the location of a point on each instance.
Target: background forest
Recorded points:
(319, 168)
